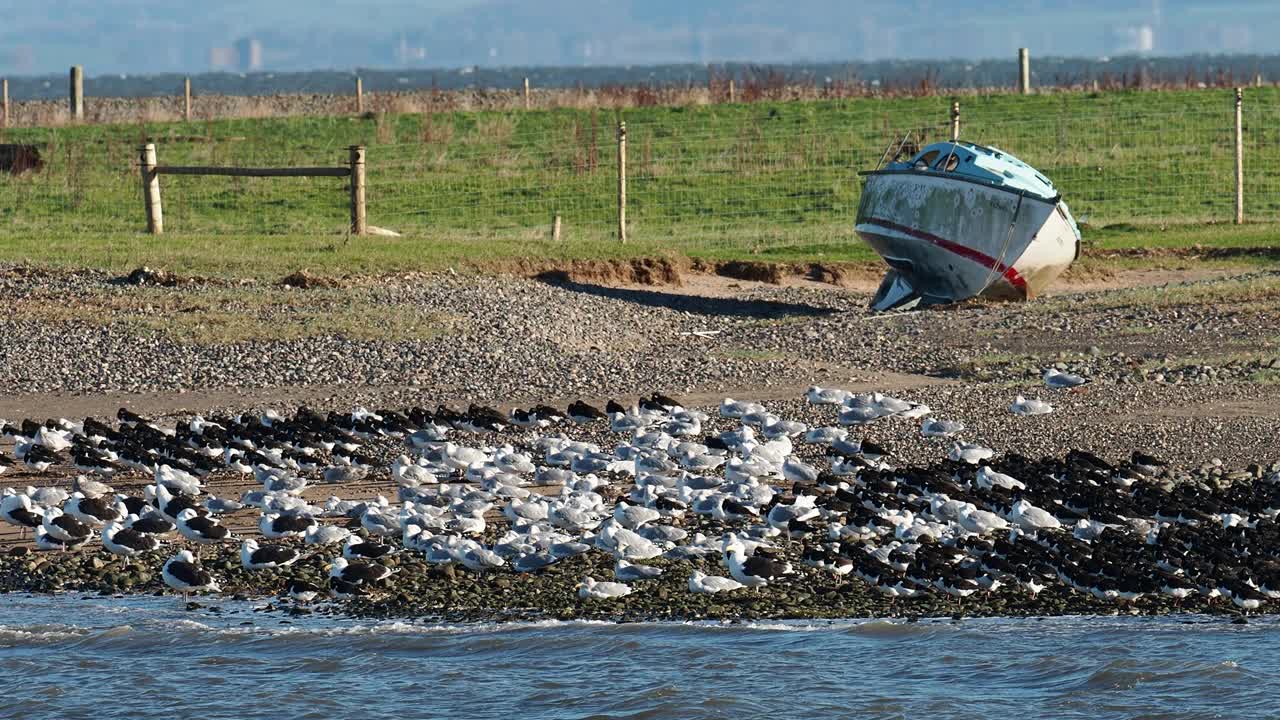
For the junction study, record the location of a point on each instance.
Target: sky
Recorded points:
(186, 36)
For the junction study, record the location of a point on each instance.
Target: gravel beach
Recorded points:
(1187, 371)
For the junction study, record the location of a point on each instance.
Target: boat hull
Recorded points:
(947, 239)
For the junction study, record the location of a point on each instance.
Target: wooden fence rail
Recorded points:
(151, 171)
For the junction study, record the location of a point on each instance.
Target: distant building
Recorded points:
(1140, 39)
(249, 54)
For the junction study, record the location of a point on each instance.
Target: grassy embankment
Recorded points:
(765, 181)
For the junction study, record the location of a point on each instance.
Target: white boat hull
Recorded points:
(947, 239)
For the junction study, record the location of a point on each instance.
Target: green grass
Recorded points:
(1268, 376)
(765, 181)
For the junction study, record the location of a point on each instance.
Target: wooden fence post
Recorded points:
(359, 96)
(1239, 156)
(151, 189)
(622, 181)
(77, 92)
(1024, 71)
(186, 99)
(955, 120)
(526, 94)
(731, 90)
(358, 216)
(555, 227)
(4, 102)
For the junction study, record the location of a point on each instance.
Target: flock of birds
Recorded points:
(761, 497)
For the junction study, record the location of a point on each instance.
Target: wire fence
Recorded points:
(740, 176)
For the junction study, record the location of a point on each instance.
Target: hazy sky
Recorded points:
(145, 36)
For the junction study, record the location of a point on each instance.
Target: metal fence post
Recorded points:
(526, 94)
(151, 189)
(4, 102)
(186, 99)
(955, 121)
(622, 181)
(358, 216)
(359, 96)
(1239, 156)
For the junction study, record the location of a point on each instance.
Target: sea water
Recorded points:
(73, 656)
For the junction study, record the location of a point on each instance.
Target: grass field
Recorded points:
(768, 181)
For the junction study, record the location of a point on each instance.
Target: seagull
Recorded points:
(359, 548)
(199, 529)
(126, 542)
(349, 577)
(184, 574)
(1023, 406)
(801, 509)
(971, 453)
(277, 526)
(634, 516)
(94, 512)
(981, 521)
(66, 528)
(1058, 380)
(628, 572)
(152, 523)
(17, 509)
(89, 487)
(987, 478)
(1031, 518)
(255, 557)
(325, 535)
(590, 588)
(794, 470)
(48, 543)
(932, 427)
(700, 582)
(826, 396)
(754, 571)
(222, 506)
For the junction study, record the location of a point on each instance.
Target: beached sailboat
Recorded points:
(960, 220)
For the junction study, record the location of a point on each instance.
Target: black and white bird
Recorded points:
(153, 523)
(40, 458)
(357, 548)
(64, 527)
(17, 509)
(202, 530)
(756, 570)
(582, 413)
(353, 577)
(301, 590)
(277, 526)
(263, 557)
(48, 543)
(123, 540)
(93, 511)
(182, 573)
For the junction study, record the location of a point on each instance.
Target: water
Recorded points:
(148, 657)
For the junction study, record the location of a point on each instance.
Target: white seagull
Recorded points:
(1023, 406)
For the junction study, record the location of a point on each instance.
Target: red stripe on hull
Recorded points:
(964, 251)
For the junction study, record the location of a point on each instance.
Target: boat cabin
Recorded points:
(977, 162)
